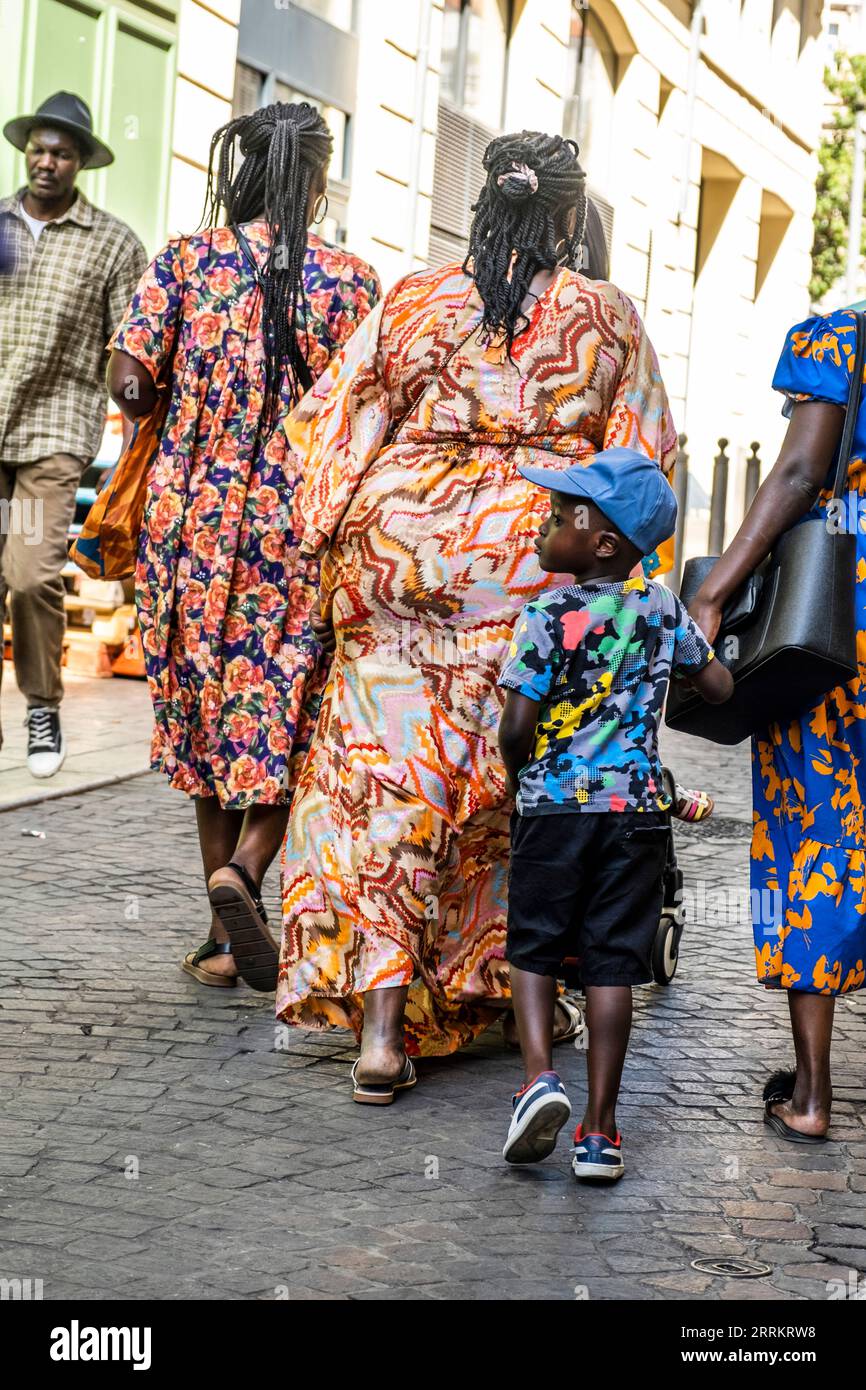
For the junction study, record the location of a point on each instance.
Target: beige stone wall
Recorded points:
(207, 49)
(756, 125)
(394, 136)
(755, 128)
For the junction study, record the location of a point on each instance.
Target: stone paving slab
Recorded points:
(156, 1140)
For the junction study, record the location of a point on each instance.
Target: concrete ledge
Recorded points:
(92, 786)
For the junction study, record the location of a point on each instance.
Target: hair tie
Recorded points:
(521, 173)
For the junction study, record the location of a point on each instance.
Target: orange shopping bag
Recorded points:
(107, 544)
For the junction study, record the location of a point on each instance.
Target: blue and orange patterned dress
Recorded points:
(809, 777)
(223, 594)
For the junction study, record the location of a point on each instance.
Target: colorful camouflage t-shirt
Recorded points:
(598, 657)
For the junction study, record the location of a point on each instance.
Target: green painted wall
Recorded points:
(120, 57)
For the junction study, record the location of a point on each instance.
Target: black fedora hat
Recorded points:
(63, 111)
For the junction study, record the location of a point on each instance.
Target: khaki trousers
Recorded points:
(37, 504)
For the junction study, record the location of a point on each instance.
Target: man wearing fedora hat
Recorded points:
(73, 270)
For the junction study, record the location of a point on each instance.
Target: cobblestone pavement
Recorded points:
(154, 1143)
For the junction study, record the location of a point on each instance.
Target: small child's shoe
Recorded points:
(597, 1158)
(692, 805)
(541, 1108)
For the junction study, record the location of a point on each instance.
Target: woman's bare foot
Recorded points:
(380, 1062)
(383, 1051)
(815, 1121)
(562, 1025)
(219, 965)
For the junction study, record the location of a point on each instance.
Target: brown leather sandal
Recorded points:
(236, 900)
(190, 964)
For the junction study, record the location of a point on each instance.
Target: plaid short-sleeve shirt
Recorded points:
(60, 300)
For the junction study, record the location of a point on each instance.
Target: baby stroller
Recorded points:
(666, 947)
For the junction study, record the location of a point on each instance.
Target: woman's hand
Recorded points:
(322, 628)
(707, 614)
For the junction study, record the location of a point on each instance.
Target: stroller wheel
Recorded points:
(665, 957)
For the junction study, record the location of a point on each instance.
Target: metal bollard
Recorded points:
(681, 489)
(718, 504)
(753, 476)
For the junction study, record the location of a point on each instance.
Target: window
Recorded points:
(336, 12)
(592, 84)
(248, 90)
(474, 45)
(254, 89)
(338, 124)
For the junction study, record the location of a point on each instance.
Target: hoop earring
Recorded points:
(319, 217)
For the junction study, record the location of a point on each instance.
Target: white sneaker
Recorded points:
(45, 746)
(539, 1111)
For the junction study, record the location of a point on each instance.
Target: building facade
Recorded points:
(697, 122)
(158, 76)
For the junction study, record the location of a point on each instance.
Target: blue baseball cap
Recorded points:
(627, 486)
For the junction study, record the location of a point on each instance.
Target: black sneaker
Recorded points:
(45, 746)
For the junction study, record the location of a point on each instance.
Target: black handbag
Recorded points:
(788, 635)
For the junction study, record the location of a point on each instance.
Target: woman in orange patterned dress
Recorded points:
(395, 868)
(242, 319)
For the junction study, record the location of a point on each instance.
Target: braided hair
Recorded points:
(521, 223)
(284, 152)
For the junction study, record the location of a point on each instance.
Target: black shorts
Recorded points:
(589, 885)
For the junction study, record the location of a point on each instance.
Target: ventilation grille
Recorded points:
(457, 180)
(605, 212)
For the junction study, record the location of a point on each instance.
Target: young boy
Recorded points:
(586, 678)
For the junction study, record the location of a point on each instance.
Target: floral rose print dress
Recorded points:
(809, 776)
(223, 594)
(397, 850)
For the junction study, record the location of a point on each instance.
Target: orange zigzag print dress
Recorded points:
(396, 858)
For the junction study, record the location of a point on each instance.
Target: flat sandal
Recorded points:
(237, 902)
(190, 964)
(374, 1093)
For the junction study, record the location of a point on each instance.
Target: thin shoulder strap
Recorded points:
(247, 251)
(855, 387)
(432, 379)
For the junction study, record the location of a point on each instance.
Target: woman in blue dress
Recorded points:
(808, 776)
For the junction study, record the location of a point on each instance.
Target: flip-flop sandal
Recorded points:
(576, 1025)
(235, 899)
(780, 1087)
(190, 964)
(370, 1093)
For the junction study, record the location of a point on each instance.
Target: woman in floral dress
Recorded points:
(394, 878)
(239, 326)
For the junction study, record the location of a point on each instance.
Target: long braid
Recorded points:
(520, 226)
(284, 150)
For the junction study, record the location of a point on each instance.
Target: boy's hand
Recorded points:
(516, 735)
